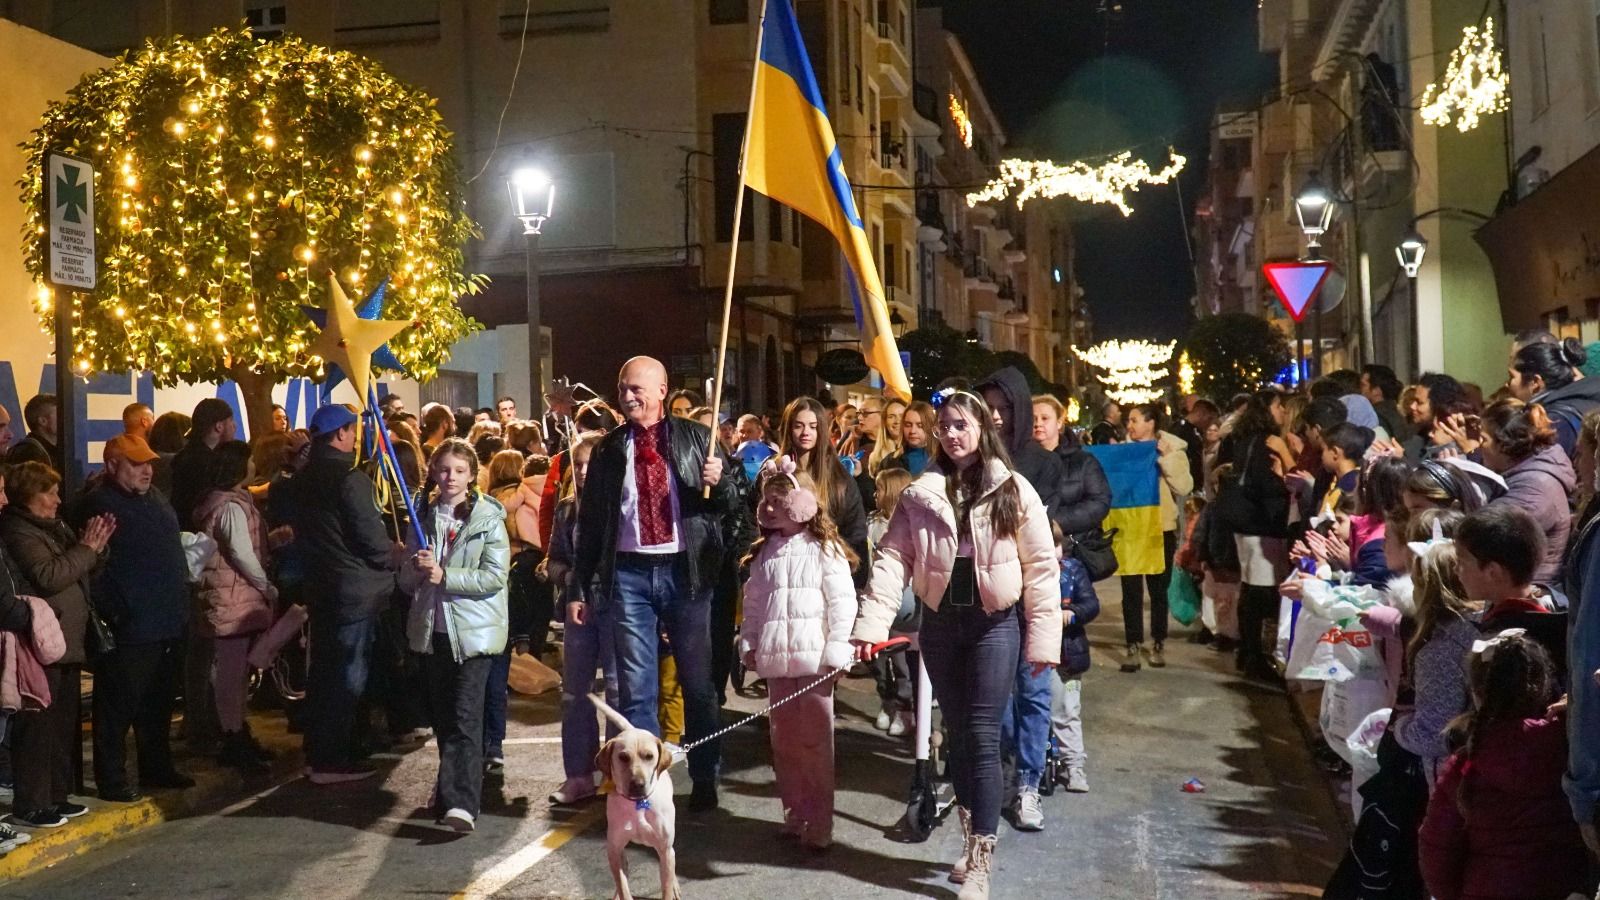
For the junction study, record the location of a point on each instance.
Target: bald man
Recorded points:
(137, 419)
(649, 550)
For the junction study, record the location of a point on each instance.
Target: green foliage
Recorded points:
(1233, 353)
(939, 352)
(232, 176)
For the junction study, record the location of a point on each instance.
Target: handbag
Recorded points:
(1093, 549)
(101, 638)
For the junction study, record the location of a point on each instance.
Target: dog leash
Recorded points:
(877, 649)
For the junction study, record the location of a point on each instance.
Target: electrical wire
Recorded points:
(522, 46)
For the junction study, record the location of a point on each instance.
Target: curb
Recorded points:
(105, 823)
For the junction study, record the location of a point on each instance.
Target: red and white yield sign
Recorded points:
(1297, 283)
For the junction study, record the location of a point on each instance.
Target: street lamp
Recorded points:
(533, 197)
(1314, 207)
(1410, 251)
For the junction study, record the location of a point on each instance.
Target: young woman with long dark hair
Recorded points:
(803, 437)
(973, 540)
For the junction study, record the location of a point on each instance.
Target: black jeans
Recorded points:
(971, 656)
(455, 701)
(1133, 597)
(1257, 606)
(44, 744)
(341, 658)
(134, 686)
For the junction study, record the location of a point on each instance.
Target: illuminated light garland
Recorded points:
(1129, 370)
(229, 166)
(962, 121)
(1186, 373)
(1475, 82)
(1107, 183)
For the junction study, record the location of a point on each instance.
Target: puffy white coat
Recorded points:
(920, 547)
(799, 607)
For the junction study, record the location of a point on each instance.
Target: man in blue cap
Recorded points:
(341, 532)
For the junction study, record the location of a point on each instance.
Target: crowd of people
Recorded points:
(681, 552)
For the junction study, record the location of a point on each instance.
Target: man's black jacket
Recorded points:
(702, 523)
(339, 529)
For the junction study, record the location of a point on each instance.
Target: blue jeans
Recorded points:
(971, 657)
(341, 657)
(652, 593)
(1025, 730)
(494, 706)
(585, 648)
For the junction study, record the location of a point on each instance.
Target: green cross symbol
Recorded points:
(72, 194)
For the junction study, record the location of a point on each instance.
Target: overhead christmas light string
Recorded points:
(1108, 183)
(1475, 82)
(1129, 370)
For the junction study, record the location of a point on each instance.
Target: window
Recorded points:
(393, 20)
(845, 56)
(888, 266)
(265, 19)
(855, 47)
(727, 139)
(776, 213)
(728, 12)
(554, 16)
(883, 18)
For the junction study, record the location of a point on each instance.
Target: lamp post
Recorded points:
(1314, 208)
(1410, 251)
(533, 197)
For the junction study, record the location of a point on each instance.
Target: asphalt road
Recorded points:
(1267, 825)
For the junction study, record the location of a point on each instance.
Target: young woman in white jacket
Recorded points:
(799, 606)
(973, 540)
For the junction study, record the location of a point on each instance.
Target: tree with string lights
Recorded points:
(1234, 353)
(233, 176)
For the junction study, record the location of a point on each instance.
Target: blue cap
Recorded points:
(331, 418)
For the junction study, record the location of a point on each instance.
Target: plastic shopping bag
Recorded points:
(1183, 598)
(1304, 631)
(1346, 707)
(198, 548)
(1340, 652)
(1288, 615)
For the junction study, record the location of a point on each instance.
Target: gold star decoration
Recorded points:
(349, 341)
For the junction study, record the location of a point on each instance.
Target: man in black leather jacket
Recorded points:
(650, 548)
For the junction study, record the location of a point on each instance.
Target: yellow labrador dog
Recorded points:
(639, 807)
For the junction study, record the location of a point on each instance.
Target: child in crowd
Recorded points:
(1080, 605)
(1436, 655)
(1343, 448)
(586, 641)
(1498, 549)
(799, 609)
(893, 670)
(1216, 556)
(1498, 824)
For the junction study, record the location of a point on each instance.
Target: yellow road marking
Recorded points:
(507, 870)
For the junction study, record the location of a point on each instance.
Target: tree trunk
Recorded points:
(255, 392)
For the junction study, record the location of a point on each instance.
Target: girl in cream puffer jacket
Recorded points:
(799, 605)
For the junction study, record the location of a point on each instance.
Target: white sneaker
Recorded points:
(1029, 811)
(1077, 782)
(11, 839)
(457, 820)
(897, 725)
(573, 790)
(883, 720)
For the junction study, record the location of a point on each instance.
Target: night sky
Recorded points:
(1069, 81)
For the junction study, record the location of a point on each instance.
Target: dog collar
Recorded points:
(642, 804)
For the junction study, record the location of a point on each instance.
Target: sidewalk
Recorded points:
(215, 787)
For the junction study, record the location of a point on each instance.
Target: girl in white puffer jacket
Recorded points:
(799, 608)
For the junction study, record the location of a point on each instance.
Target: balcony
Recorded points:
(894, 66)
(979, 274)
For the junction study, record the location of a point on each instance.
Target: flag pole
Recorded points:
(733, 244)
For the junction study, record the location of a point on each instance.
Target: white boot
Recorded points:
(958, 872)
(981, 860)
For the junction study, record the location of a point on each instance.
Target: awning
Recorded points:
(1545, 250)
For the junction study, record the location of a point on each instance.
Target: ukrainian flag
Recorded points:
(1135, 505)
(791, 156)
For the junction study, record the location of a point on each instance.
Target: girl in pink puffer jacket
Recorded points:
(799, 607)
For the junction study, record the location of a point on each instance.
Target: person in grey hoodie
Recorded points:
(1519, 442)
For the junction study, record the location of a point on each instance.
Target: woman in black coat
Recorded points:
(1083, 495)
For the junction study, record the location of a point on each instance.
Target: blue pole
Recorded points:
(382, 438)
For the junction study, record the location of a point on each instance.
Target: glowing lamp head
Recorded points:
(1314, 208)
(1410, 252)
(533, 198)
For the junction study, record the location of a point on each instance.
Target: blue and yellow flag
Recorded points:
(1135, 505)
(791, 156)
